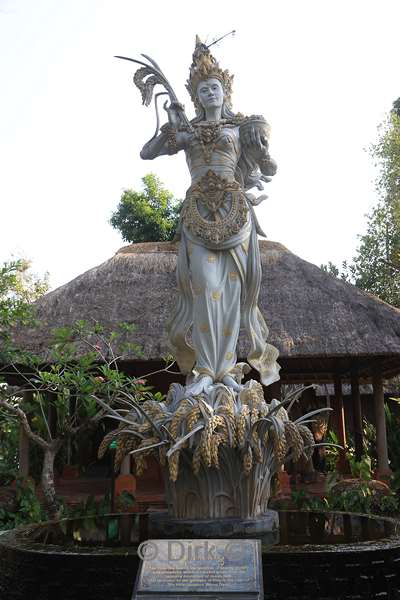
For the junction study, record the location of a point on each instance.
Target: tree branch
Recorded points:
(25, 424)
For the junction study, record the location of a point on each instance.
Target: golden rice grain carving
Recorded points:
(173, 464)
(216, 440)
(308, 439)
(196, 461)
(280, 447)
(192, 417)
(105, 442)
(294, 439)
(247, 461)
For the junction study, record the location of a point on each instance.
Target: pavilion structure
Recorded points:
(326, 330)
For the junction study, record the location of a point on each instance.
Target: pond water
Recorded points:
(297, 528)
(303, 528)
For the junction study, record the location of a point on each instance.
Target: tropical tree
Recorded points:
(66, 385)
(149, 215)
(19, 288)
(68, 393)
(376, 266)
(344, 273)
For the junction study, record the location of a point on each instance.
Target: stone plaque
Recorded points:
(178, 569)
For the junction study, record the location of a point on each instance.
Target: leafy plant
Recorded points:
(27, 507)
(393, 440)
(331, 452)
(369, 452)
(388, 504)
(361, 469)
(9, 444)
(362, 499)
(125, 501)
(303, 501)
(88, 508)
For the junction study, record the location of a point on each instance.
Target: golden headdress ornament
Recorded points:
(204, 66)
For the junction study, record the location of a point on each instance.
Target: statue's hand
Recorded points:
(174, 111)
(268, 167)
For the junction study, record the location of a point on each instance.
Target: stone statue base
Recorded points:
(265, 527)
(224, 455)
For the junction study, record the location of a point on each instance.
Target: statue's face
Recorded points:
(210, 93)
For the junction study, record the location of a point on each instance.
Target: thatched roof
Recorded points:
(318, 323)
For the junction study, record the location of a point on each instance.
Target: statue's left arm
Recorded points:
(254, 138)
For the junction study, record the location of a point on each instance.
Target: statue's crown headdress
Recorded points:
(204, 66)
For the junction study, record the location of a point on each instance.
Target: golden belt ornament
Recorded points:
(214, 193)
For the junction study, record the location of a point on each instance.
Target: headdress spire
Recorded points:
(204, 66)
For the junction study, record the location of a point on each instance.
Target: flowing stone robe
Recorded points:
(219, 283)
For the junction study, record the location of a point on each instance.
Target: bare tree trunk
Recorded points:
(48, 486)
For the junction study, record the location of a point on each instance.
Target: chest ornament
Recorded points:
(208, 135)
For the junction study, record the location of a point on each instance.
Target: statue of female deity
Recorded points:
(231, 441)
(219, 268)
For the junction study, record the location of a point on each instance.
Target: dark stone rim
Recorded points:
(12, 539)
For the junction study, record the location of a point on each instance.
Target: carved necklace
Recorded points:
(207, 132)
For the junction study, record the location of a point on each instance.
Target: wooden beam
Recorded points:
(339, 424)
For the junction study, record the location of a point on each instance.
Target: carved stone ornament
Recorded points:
(213, 193)
(218, 452)
(203, 67)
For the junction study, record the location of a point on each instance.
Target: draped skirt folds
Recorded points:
(218, 289)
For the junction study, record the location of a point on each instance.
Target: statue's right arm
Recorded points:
(162, 144)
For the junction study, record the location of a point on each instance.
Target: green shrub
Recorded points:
(27, 507)
(9, 445)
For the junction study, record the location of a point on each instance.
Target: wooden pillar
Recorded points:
(273, 391)
(284, 484)
(125, 482)
(383, 470)
(126, 465)
(339, 425)
(357, 413)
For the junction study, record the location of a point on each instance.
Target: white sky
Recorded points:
(322, 72)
